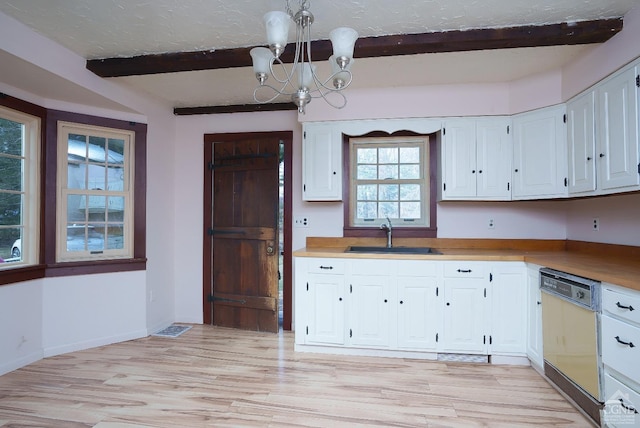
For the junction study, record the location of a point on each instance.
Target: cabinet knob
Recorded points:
(601, 155)
(588, 158)
(480, 172)
(385, 300)
(516, 169)
(334, 173)
(473, 171)
(401, 302)
(448, 304)
(340, 299)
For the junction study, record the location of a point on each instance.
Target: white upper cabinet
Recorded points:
(476, 159)
(322, 162)
(617, 108)
(540, 154)
(581, 143)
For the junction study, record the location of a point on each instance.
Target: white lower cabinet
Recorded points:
(411, 305)
(620, 338)
(508, 319)
(464, 312)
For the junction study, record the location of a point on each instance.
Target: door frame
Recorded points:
(207, 250)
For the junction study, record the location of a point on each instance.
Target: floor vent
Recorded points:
(172, 331)
(463, 358)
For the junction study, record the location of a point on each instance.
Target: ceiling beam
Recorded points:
(575, 33)
(236, 108)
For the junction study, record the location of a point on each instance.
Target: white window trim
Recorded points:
(31, 187)
(424, 180)
(64, 129)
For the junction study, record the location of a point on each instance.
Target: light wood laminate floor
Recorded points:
(212, 376)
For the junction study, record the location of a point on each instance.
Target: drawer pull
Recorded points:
(624, 307)
(464, 270)
(629, 344)
(326, 267)
(629, 409)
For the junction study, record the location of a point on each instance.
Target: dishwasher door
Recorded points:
(569, 335)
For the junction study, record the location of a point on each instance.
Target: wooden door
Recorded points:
(243, 232)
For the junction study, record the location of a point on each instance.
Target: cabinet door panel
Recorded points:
(322, 163)
(508, 310)
(493, 159)
(419, 312)
(618, 136)
(326, 309)
(581, 143)
(464, 316)
(369, 310)
(459, 147)
(539, 154)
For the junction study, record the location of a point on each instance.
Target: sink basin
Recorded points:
(392, 250)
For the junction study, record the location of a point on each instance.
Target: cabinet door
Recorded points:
(325, 305)
(419, 312)
(464, 316)
(321, 163)
(581, 143)
(508, 295)
(539, 154)
(618, 131)
(534, 317)
(493, 158)
(370, 306)
(459, 159)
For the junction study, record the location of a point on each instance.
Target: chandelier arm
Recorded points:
(275, 90)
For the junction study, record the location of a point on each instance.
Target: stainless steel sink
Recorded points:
(392, 250)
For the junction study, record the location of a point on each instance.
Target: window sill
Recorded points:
(28, 273)
(398, 232)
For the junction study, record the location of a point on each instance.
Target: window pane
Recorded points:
(367, 172)
(409, 172)
(96, 177)
(389, 155)
(410, 210)
(366, 210)
(388, 209)
(409, 155)
(11, 244)
(388, 172)
(115, 209)
(115, 236)
(10, 209)
(10, 138)
(389, 192)
(368, 192)
(367, 156)
(11, 173)
(97, 149)
(410, 192)
(77, 148)
(97, 208)
(76, 209)
(76, 176)
(116, 152)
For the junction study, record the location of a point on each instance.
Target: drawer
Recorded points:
(372, 267)
(326, 266)
(621, 304)
(622, 357)
(622, 404)
(464, 269)
(417, 268)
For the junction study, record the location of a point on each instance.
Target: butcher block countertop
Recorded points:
(615, 264)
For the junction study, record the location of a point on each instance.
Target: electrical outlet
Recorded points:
(301, 221)
(491, 224)
(596, 224)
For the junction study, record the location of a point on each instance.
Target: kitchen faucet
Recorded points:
(389, 229)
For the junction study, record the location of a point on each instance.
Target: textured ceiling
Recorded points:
(124, 28)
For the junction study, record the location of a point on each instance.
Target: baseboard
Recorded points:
(20, 362)
(93, 343)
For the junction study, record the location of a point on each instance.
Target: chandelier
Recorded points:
(300, 82)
